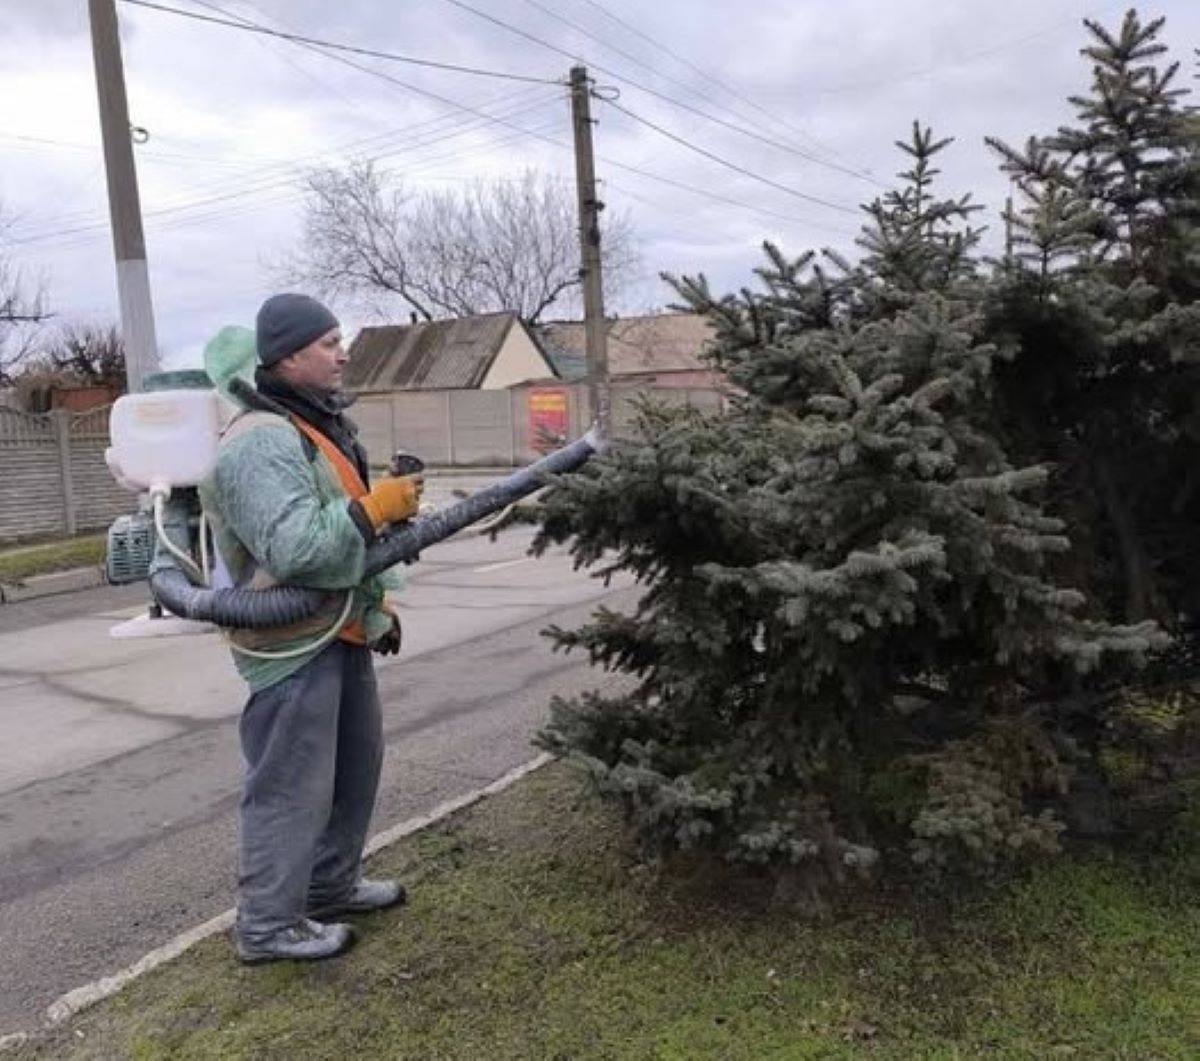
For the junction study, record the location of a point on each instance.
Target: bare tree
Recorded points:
(85, 354)
(71, 356)
(20, 308)
(495, 245)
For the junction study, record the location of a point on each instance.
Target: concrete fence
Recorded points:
(500, 428)
(53, 479)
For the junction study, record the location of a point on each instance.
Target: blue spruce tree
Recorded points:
(849, 643)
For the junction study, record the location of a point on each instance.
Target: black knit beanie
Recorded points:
(287, 323)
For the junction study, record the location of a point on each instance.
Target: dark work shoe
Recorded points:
(366, 896)
(305, 941)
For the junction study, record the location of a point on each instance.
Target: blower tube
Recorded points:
(245, 609)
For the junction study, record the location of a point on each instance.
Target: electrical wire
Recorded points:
(560, 143)
(156, 225)
(77, 145)
(247, 24)
(709, 76)
(752, 134)
(263, 185)
(521, 132)
(715, 197)
(372, 53)
(781, 145)
(279, 49)
(969, 57)
(725, 162)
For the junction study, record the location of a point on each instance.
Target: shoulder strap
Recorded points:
(248, 420)
(346, 472)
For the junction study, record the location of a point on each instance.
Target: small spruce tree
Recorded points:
(848, 643)
(1099, 304)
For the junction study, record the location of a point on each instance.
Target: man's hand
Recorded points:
(392, 500)
(389, 643)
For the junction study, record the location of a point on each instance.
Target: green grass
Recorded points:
(533, 933)
(18, 563)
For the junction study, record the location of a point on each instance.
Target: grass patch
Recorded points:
(533, 933)
(21, 562)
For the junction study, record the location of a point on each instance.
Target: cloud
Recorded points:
(234, 118)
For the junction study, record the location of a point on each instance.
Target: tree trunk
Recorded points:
(1141, 596)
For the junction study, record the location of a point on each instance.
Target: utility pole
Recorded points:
(125, 212)
(599, 392)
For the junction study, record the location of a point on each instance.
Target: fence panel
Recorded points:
(19, 428)
(373, 414)
(53, 479)
(482, 426)
(421, 425)
(31, 497)
(98, 500)
(92, 425)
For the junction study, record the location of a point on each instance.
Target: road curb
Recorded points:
(74, 1002)
(70, 581)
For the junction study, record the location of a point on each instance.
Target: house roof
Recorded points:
(429, 355)
(664, 342)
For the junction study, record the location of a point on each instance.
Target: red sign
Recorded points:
(548, 418)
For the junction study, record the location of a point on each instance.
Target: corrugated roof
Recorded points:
(429, 355)
(664, 342)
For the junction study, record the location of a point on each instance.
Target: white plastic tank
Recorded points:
(164, 439)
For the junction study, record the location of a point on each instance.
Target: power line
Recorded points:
(715, 197)
(401, 140)
(296, 38)
(260, 188)
(490, 119)
(155, 222)
(743, 130)
(726, 163)
(303, 42)
(557, 143)
(263, 172)
(781, 145)
(709, 76)
(278, 49)
(407, 86)
(969, 57)
(77, 145)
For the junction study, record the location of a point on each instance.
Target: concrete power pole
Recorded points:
(129, 245)
(599, 392)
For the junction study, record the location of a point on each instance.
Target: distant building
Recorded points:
(489, 352)
(662, 350)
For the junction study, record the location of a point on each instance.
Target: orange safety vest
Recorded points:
(353, 632)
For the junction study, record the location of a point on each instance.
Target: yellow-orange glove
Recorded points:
(390, 501)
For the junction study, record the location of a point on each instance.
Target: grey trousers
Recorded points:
(313, 745)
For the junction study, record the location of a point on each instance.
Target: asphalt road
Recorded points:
(119, 781)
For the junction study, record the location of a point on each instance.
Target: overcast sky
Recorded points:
(233, 118)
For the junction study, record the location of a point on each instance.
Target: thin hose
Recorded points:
(245, 609)
(159, 501)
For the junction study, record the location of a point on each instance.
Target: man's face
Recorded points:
(318, 366)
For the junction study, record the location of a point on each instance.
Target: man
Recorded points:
(290, 504)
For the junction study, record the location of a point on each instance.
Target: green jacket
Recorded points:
(279, 517)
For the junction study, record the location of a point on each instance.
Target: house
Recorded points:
(661, 350)
(488, 352)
